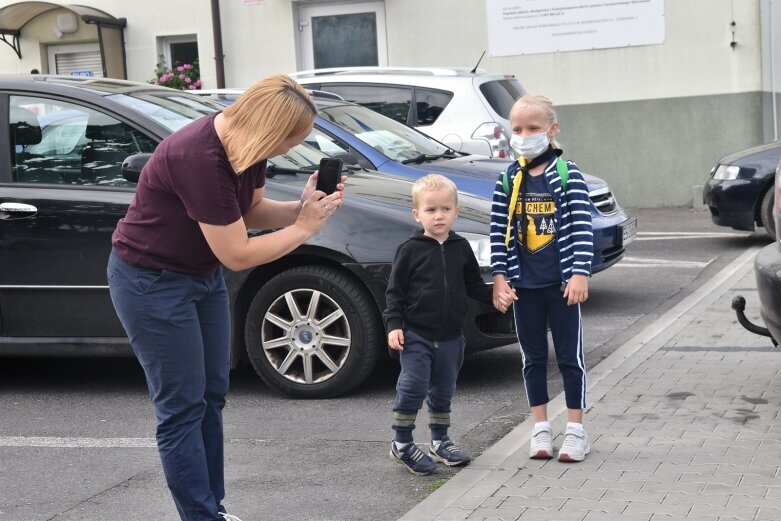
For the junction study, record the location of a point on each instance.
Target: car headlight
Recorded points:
(726, 173)
(481, 246)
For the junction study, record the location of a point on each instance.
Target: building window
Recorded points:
(179, 50)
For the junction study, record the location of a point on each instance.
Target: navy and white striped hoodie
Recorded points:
(572, 218)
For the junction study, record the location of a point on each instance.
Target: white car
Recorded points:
(466, 109)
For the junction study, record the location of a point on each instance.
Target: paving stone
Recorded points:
(546, 515)
(743, 513)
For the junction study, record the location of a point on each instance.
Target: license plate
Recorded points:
(628, 231)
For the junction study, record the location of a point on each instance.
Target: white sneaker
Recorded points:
(541, 446)
(575, 446)
(229, 517)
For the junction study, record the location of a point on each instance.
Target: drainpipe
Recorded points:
(218, 55)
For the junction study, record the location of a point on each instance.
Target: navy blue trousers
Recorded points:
(535, 310)
(429, 371)
(179, 327)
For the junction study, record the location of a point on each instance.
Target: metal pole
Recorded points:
(218, 55)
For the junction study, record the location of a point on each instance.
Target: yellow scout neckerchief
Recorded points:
(514, 200)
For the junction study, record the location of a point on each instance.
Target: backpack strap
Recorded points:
(561, 167)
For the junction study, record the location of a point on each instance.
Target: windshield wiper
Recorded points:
(422, 158)
(272, 170)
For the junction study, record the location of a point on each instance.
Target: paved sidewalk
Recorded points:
(684, 422)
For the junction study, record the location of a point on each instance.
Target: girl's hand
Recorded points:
(576, 290)
(311, 184)
(396, 340)
(503, 293)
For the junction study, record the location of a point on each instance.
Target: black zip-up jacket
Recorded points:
(429, 284)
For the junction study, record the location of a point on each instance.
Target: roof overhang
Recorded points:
(15, 16)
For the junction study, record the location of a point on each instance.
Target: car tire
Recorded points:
(766, 212)
(313, 332)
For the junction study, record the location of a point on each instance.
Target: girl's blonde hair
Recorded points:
(269, 112)
(432, 183)
(542, 105)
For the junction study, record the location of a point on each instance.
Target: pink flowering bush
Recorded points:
(183, 76)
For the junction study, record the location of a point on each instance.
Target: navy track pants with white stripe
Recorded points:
(535, 310)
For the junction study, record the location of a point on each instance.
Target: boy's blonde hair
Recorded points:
(432, 183)
(542, 105)
(269, 112)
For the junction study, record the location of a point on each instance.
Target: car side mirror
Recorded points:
(132, 166)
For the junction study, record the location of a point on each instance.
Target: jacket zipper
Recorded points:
(444, 295)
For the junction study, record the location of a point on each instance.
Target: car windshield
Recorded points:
(385, 135)
(173, 110)
(300, 157)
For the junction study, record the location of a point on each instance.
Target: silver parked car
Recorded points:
(466, 109)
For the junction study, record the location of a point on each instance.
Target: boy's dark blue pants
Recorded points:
(535, 310)
(429, 371)
(179, 327)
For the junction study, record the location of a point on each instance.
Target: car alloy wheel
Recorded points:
(312, 332)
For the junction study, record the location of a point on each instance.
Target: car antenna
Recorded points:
(478, 63)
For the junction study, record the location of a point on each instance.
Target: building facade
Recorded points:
(652, 119)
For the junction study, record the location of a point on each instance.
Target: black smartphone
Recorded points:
(330, 173)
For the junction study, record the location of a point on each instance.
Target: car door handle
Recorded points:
(17, 210)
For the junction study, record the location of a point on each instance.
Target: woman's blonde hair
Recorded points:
(432, 183)
(269, 112)
(542, 105)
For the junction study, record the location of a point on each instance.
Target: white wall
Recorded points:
(696, 58)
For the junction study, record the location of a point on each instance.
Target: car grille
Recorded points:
(603, 200)
(495, 324)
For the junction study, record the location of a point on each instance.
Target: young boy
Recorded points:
(433, 272)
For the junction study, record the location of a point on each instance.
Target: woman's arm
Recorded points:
(236, 251)
(268, 213)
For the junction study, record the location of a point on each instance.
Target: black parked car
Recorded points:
(767, 270)
(309, 323)
(739, 192)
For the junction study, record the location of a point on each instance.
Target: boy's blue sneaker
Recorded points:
(448, 454)
(414, 459)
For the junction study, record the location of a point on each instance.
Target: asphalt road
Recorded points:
(76, 436)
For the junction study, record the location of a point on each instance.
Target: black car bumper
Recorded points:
(767, 269)
(732, 203)
(485, 327)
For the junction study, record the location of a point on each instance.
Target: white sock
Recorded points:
(399, 445)
(577, 426)
(542, 425)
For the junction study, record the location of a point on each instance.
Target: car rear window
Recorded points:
(430, 104)
(390, 101)
(501, 94)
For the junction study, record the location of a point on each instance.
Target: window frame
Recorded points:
(71, 104)
(166, 41)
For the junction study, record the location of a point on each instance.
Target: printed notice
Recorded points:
(539, 26)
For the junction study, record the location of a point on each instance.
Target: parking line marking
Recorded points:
(67, 443)
(637, 262)
(673, 236)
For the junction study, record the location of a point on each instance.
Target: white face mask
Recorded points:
(530, 146)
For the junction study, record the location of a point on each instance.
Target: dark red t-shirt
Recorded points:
(187, 180)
